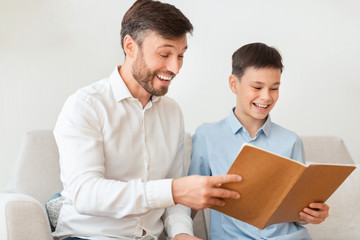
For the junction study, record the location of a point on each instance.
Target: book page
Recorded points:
(317, 184)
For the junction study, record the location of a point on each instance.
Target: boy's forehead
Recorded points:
(262, 75)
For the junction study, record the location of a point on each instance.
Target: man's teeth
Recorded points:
(162, 77)
(261, 106)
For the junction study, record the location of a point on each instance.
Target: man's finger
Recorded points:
(227, 178)
(224, 193)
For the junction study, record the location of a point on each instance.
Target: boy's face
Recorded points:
(256, 94)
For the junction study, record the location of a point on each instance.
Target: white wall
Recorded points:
(50, 48)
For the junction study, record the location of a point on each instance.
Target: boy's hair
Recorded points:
(162, 18)
(256, 55)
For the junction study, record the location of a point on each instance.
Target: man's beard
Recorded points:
(145, 77)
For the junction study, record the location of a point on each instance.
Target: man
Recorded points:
(121, 143)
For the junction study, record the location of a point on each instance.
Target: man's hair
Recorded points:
(162, 18)
(256, 55)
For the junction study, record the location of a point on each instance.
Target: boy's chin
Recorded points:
(261, 116)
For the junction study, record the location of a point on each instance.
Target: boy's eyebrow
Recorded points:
(261, 83)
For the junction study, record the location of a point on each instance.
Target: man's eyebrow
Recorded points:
(171, 46)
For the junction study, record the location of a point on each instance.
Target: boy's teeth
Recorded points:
(261, 106)
(162, 77)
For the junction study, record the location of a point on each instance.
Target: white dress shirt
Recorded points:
(117, 163)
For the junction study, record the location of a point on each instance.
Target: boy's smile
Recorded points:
(256, 94)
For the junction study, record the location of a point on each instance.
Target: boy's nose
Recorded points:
(265, 94)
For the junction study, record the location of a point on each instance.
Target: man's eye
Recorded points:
(181, 56)
(164, 55)
(275, 89)
(257, 88)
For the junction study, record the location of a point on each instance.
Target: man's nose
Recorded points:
(174, 65)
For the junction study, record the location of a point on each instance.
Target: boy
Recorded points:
(255, 79)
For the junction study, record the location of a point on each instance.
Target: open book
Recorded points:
(276, 189)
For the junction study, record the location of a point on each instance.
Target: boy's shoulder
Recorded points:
(283, 133)
(211, 128)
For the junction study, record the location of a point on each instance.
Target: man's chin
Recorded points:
(160, 93)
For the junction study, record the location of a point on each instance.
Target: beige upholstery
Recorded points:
(37, 169)
(322, 149)
(36, 178)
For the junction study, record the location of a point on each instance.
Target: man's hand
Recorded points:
(183, 236)
(200, 192)
(316, 213)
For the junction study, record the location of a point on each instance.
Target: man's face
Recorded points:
(158, 61)
(257, 92)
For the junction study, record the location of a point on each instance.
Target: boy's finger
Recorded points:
(321, 206)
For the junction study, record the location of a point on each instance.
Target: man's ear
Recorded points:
(130, 46)
(233, 83)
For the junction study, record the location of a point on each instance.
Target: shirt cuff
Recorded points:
(159, 193)
(181, 227)
(178, 221)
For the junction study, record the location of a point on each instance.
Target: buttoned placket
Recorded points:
(146, 153)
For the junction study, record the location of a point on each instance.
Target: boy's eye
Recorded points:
(275, 89)
(257, 88)
(181, 56)
(164, 55)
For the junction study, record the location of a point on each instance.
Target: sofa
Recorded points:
(36, 177)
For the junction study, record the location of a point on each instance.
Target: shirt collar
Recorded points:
(267, 126)
(119, 88)
(235, 124)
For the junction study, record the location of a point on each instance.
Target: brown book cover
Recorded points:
(276, 189)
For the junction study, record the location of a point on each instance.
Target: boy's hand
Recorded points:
(200, 192)
(183, 236)
(316, 213)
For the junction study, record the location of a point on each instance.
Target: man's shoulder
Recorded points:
(96, 90)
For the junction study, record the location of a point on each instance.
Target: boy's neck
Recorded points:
(251, 125)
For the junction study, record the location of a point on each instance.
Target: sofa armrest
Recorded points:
(23, 217)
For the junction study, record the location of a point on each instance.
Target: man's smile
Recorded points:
(164, 77)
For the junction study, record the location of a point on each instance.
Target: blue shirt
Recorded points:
(215, 147)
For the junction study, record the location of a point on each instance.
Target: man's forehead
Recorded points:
(158, 41)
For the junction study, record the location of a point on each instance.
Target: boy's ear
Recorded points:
(233, 83)
(130, 46)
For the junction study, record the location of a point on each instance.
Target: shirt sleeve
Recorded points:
(177, 218)
(78, 134)
(199, 156)
(298, 152)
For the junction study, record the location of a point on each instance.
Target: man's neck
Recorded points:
(134, 87)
